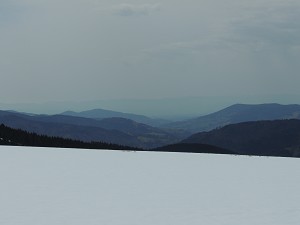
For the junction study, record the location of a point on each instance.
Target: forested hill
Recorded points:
(264, 138)
(17, 137)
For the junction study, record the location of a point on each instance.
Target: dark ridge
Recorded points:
(194, 148)
(261, 138)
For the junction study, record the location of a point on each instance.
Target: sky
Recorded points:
(86, 50)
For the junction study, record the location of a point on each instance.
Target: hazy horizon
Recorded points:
(168, 108)
(85, 50)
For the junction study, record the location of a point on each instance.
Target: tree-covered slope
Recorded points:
(18, 137)
(269, 138)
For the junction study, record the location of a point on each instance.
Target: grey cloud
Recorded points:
(9, 11)
(272, 25)
(194, 47)
(135, 9)
(95, 44)
(174, 47)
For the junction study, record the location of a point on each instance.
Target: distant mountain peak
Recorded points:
(104, 113)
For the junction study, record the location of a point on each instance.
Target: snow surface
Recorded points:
(41, 186)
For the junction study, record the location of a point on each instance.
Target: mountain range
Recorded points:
(190, 135)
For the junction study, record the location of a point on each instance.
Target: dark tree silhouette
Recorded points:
(18, 137)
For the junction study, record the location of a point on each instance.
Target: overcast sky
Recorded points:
(52, 50)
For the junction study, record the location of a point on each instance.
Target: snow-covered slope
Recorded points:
(42, 186)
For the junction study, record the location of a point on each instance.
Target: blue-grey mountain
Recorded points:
(236, 114)
(103, 113)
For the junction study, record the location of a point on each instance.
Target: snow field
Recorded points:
(68, 186)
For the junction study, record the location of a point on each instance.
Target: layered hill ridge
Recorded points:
(236, 114)
(113, 130)
(262, 134)
(71, 131)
